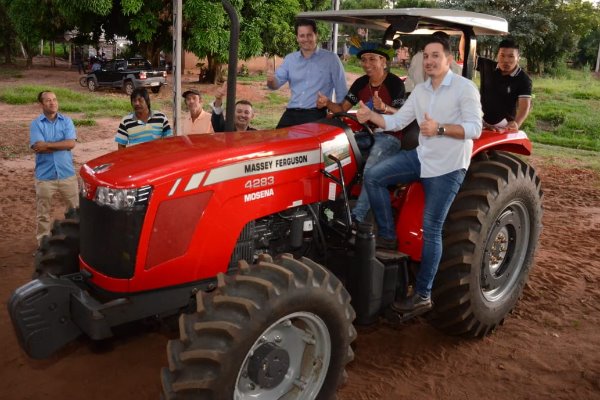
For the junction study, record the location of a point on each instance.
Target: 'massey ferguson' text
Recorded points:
(279, 162)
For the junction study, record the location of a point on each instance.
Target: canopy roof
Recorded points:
(414, 20)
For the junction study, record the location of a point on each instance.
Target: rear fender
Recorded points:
(512, 142)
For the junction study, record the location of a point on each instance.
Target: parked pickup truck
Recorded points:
(127, 74)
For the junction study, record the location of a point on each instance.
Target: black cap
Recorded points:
(192, 91)
(380, 52)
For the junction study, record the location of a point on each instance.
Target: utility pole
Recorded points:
(177, 62)
(336, 6)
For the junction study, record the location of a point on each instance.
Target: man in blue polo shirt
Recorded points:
(51, 137)
(309, 71)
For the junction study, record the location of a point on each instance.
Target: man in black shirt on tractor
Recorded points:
(505, 89)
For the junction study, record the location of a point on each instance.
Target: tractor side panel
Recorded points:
(193, 221)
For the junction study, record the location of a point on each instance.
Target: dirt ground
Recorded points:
(548, 348)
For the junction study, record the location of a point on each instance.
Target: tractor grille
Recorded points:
(109, 238)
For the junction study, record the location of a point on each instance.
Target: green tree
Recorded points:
(26, 17)
(588, 49)
(8, 37)
(548, 30)
(266, 27)
(146, 23)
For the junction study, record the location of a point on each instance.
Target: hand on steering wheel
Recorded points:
(366, 127)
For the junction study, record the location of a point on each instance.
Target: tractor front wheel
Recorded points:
(490, 237)
(278, 329)
(59, 252)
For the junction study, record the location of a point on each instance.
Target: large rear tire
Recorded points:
(490, 237)
(59, 252)
(279, 329)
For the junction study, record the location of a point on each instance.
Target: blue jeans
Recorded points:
(440, 191)
(384, 146)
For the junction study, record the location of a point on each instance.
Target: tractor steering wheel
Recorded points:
(367, 132)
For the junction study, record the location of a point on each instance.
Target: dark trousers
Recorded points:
(297, 116)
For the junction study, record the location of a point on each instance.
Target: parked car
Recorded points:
(127, 74)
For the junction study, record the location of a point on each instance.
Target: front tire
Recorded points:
(91, 84)
(128, 88)
(279, 329)
(490, 237)
(59, 252)
(155, 89)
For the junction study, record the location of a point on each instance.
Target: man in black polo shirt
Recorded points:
(505, 89)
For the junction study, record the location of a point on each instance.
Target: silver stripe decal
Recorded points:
(295, 203)
(174, 188)
(194, 181)
(263, 165)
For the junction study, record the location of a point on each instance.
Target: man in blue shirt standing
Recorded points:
(448, 110)
(309, 71)
(51, 137)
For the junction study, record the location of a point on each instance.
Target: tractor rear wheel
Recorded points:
(490, 237)
(278, 329)
(59, 252)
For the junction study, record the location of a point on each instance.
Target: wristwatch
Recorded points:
(441, 131)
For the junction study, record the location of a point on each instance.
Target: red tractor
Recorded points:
(246, 237)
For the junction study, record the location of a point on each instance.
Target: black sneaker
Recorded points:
(413, 303)
(387, 244)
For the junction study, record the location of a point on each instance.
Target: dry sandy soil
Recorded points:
(548, 348)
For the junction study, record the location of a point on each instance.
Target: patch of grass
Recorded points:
(8, 152)
(354, 68)
(586, 96)
(564, 111)
(90, 104)
(246, 80)
(7, 72)
(567, 157)
(269, 111)
(84, 122)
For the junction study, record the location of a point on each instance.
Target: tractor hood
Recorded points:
(161, 160)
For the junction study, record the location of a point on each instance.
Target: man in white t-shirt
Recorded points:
(447, 108)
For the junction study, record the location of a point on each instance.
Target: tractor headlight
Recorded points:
(122, 199)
